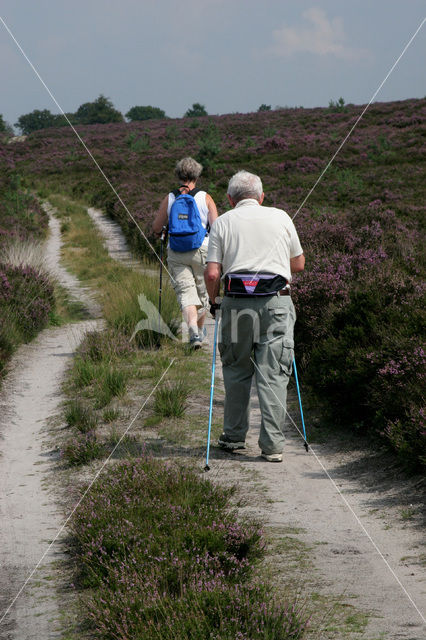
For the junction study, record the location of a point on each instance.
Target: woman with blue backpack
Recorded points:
(188, 213)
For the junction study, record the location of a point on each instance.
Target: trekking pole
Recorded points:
(162, 239)
(207, 468)
(300, 403)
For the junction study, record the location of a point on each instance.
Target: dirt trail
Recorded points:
(53, 254)
(114, 241)
(29, 516)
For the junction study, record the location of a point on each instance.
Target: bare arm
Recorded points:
(212, 278)
(160, 219)
(297, 263)
(212, 209)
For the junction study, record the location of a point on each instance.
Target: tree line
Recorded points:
(100, 111)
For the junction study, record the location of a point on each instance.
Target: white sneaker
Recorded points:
(272, 457)
(195, 342)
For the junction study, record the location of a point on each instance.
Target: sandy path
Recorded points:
(114, 241)
(29, 515)
(64, 277)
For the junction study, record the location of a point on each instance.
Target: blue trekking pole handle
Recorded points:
(207, 468)
(300, 403)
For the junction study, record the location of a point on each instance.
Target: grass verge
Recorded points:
(162, 555)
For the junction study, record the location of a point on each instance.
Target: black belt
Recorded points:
(283, 292)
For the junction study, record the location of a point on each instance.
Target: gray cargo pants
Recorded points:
(258, 328)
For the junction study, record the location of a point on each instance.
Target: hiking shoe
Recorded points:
(272, 457)
(226, 443)
(195, 341)
(204, 337)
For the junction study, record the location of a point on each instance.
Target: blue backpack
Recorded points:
(186, 231)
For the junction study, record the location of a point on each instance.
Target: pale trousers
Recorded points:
(257, 338)
(187, 271)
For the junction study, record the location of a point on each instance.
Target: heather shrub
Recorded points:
(154, 542)
(82, 449)
(7, 341)
(28, 297)
(21, 217)
(359, 322)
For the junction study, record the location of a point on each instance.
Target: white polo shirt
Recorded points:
(255, 239)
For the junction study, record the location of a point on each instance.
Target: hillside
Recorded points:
(360, 301)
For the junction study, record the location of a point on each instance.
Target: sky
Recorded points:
(229, 55)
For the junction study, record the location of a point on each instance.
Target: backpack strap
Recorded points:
(177, 192)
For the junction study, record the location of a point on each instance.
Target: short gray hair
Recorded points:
(245, 185)
(188, 169)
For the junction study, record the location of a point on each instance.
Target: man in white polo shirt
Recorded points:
(254, 249)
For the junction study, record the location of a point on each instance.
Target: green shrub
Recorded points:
(123, 310)
(80, 417)
(197, 110)
(138, 144)
(170, 400)
(84, 372)
(99, 111)
(110, 383)
(337, 105)
(209, 147)
(138, 113)
(110, 415)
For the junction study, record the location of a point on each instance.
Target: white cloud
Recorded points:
(321, 37)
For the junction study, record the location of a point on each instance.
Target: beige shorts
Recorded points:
(187, 271)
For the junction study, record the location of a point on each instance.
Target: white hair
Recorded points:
(245, 185)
